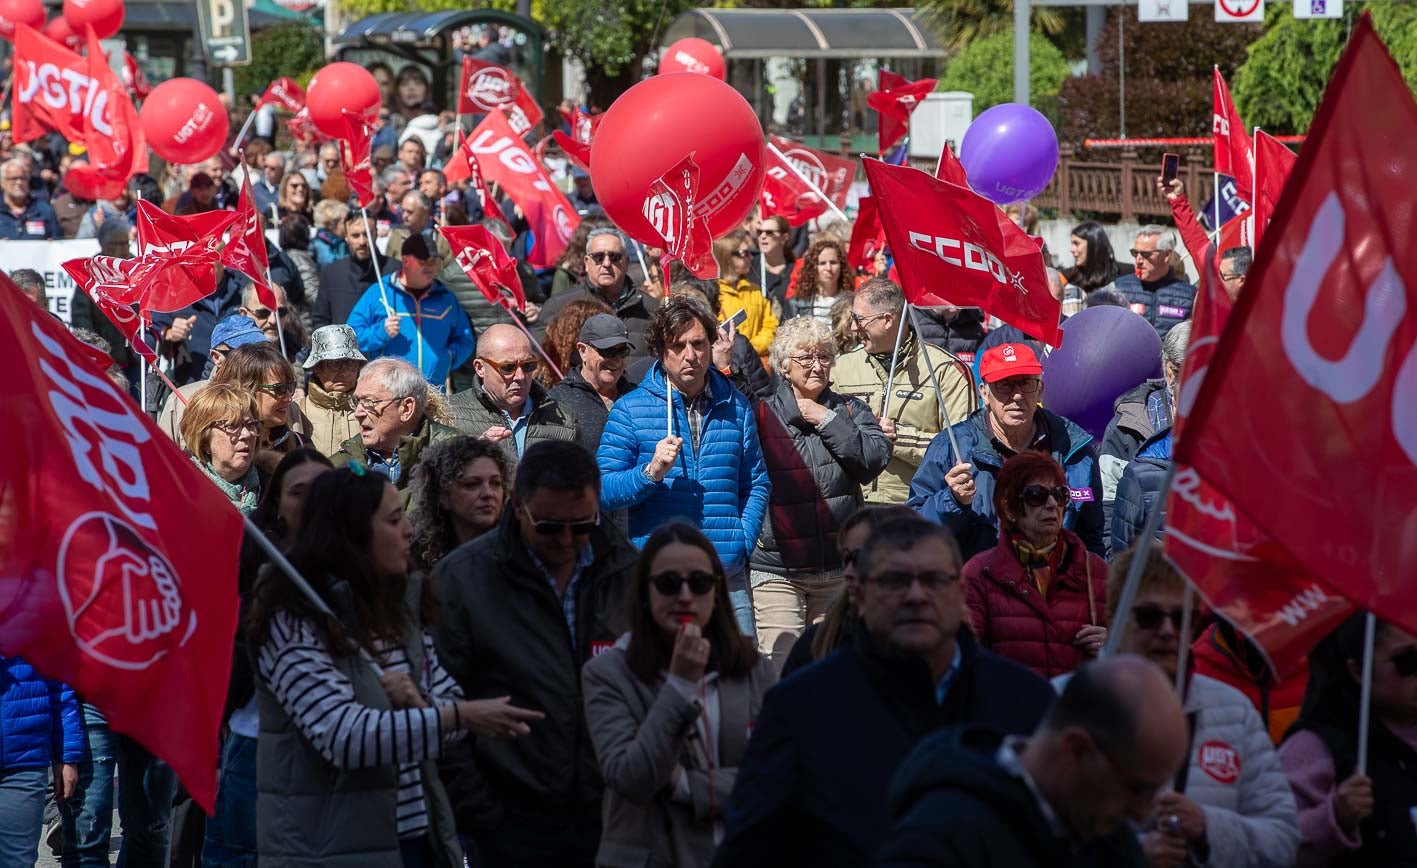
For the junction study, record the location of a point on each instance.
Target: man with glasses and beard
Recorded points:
(958, 490)
(506, 404)
(607, 279)
(524, 607)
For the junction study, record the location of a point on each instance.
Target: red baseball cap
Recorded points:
(1008, 360)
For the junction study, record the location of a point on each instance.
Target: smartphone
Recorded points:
(735, 320)
(1170, 165)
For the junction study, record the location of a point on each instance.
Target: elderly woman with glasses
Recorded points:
(737, 292)
(820, 448)
(1038, 597)
(220, 430)
(261, 370)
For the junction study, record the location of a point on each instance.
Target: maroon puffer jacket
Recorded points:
(1013, 620)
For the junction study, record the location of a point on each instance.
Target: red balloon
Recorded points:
(104, 16)
(337, 88)
(184, 121)
(62, 32)
(14, 12)
(654, 125)
(693, 54)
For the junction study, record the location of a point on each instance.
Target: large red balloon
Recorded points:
(337, 88)
(184, 121)
(658, 122)
(14, 12)
(61, 31)
(104, 16)
(693, 54)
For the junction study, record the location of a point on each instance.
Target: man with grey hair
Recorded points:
(327, 161)
(417, 211)
(396, 183)
(31, 283)
(391, 407)
(607, 279)
(1153, 291)
(265, 187)
(23, 217)
(1234, 266)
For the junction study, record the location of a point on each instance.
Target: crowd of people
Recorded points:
(775, 569)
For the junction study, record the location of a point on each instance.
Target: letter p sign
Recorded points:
(223, 17)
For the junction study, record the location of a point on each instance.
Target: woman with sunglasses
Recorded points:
(773, 265)
(736, 292)
(1229, 803)
(1036, 597)
(220, 430)
(671, 705)
(261, 370)
(294, 197)
(1347, 817)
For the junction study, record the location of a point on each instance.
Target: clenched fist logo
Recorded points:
(122, 597)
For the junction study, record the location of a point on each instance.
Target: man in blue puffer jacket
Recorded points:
(958, 492)
(709, 470)
(39, 728)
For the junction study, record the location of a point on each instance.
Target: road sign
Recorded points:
(1162, 10)
(1318, 8)
(1238, 11)
(226, 31)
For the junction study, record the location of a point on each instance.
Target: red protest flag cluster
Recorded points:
(488, 87)
(1234, 151)
(108, 281)
(120, 557)
(1329, 474)
(786, 195)
(895, 98)
(284, 92)
(683, 232)
(245, 250)
(1273, 163)
(487, 264)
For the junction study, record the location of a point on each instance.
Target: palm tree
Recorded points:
(959, 22)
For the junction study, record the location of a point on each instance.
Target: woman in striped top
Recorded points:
(355, 710)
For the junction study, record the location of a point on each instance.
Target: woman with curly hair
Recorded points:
(561, 334)
(457, 494)
(822, 279)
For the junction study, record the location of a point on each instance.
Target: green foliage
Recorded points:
(295, 49)
(1279, 86)
(986, 69)
(357, 9)
(610, 37)
(959, 23)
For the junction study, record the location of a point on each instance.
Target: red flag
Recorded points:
(683, 234)
(486, 263)
(951, 169)
(786, 195)
(1273, 163)
(106, 280)
(114, 138)
(285, 92)
(464, 166)
(160, 232)
(1234, 152)
(356, 158)
(246, 250)
(52, 89)
(576, 151)
(895, 98)
(177, 256)
(487, 87)
(134, 78)
(950, 237)
(868, 236)
(508, 162)
(830, 173)
(119, 555)
(1330, 471)
(583, 124)
(524, 114)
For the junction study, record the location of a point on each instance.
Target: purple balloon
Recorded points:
(1106, 351)
(1009, 153)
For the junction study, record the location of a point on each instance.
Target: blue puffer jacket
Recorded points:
(1138, 491)
(722, 487)
(976, 526)
(39, 719)
(1163, 303)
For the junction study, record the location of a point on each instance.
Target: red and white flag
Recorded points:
(1328, 319)
(829, 173)
(245, 250)
(1234, 152)
(683, 233)
(868, 236)
(53, 90)
(356, 157)
(114, 138)
(1273, 163)
(895, 98)
(119, 557)
(786, 195)
(507, 161)
(177, 256)
(954, 247)
(134, 77)
(107, 280)
(951, 169)
(487, 264)
(285, 92)
(487, 87)
(464, 166)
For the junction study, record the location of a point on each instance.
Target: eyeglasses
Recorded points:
(607, 256)
(236, 429)
(278, 390)
(741, 253)
(1405, 662)
(509, 369)
(265, 312)
(1037, 495)
(372, 405)
(861, 322)
(810, 360)
(1016, 385)
(554, 528)
(1148, 253)
(1149, 616)
(896, 582)
(295, 185)
(668, 583)
(1229, 277)
(770, 232)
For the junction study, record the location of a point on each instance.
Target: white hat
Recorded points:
(331, 343)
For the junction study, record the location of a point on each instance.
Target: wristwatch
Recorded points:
(647, 474)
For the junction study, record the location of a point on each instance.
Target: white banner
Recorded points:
(1239, 11)
(1318, 8)
(1162, 10)
(48, 258)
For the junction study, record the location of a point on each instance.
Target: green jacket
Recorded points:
(913, 405)
(473, 413)
(411, 446)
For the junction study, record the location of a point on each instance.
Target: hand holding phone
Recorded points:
(1170, 167)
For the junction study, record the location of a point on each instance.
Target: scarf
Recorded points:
(244, 495)
(1040, 562)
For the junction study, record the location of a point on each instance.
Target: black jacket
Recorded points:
(590, 413)
(961, 335)
(952, 804)
(503, 634)
(1139, 492)
(342, 283)
(811, 790)
(633, 307)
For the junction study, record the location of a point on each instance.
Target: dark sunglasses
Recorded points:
(668, 584)
(615, 352)
(1149, 616)
(1405, 662)
(602, 257)
(278, 390)
(741, 253)
(554, 528)
(1037, 495)
(509, 369)
(265, 312)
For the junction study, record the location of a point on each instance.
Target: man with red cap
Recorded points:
(957, 490)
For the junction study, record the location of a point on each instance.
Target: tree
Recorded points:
(1279, 86)
(610, 38)
(986, 69)
(357, 9)
(959, 23)
(295, 49)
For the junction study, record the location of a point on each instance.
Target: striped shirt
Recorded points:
(350, 735)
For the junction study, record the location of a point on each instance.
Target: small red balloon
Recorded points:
(693, 54)
(184, 121)
(654, 125)
(337, 88)
(104, 16)
(13, 12)
(62, 32)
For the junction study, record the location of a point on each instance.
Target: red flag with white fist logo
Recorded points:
(118, 556)
(683, 234)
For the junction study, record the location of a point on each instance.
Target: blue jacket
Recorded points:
(1138, 491)
(435, 335)
(39, 719)
(976, 526)
(35, 223)
(1163, 303)
(722, 488)
(328, 247)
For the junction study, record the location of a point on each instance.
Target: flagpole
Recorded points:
(934, 381)
(640, 257)
(280, 330)
(241, 135)
(895, 354)
(1365, 701)
(1122, 615)
(1188, 605)
(374, 258)
(143, 383)
(762, 264)
(813, 187)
